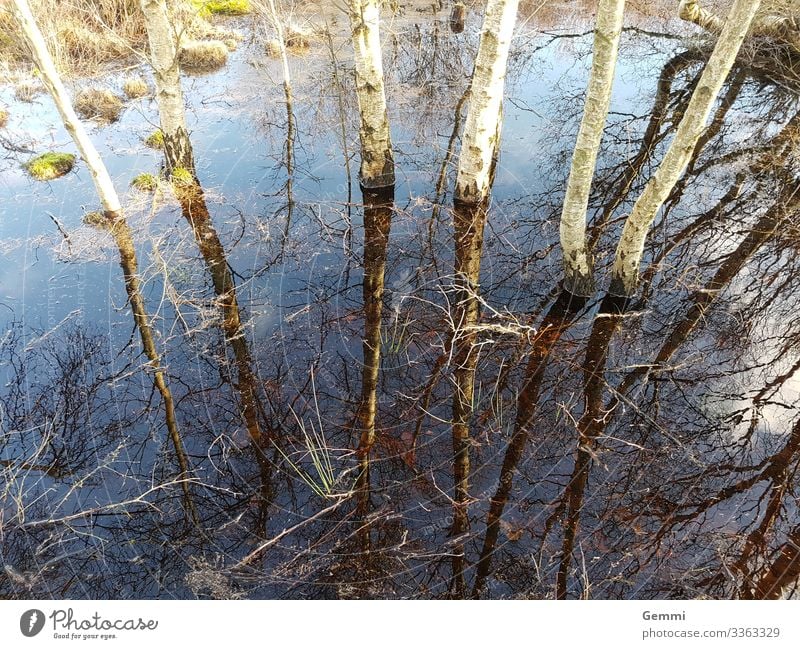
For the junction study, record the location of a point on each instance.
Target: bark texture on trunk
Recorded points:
(625, 273)
(377, 159)
(481, 132)
(162, 40)
(577, 261)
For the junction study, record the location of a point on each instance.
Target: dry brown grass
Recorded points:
(3, 117)
(203, 56)
(27, 90)
(85, 37)
(82, 34)
(135, 88)
(99, 104)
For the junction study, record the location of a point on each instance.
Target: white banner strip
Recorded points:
(403, 624)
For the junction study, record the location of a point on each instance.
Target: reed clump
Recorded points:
(135, 88)
(99, 104)
(203, 56)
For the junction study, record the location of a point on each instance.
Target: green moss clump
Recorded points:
(155, 140)
(223, 7)
(145, 183)
(182, 177)
(50, 165)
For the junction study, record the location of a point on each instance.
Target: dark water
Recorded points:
(662, 441)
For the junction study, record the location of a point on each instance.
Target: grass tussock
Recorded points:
(28, 90)
(203, 56)
(155, 140)
(49, 166)
(3, 117)
(208, 8)
(135, 88)
(145, 183)
(99, 104)
(182, 178)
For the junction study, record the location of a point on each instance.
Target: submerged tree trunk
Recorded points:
(625, 273)
(377, 159)
(195, 211)
(470, 220)
(114, 220)
(275, 19)
(590, 426)
(782, 573)
(378, 206)
(169, 96)
(577, 261)
(480, 150)
(481, 132)
(558, 319)
(377, 178)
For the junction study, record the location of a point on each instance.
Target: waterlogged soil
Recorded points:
(660, 455)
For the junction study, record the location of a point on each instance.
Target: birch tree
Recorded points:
(377, 224)
(771, 22)
(481, 131)
(377, 159)
(476, 166)
(163, 46)
(577, 260)
(113, 219)
(625, 273)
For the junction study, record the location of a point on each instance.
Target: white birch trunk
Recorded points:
(52, 80)
(162, 40)
(625, 273)
(481, 133)
(577, 264)
(780, 27)
(117, 224)
(377, 159)
(691, 11)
